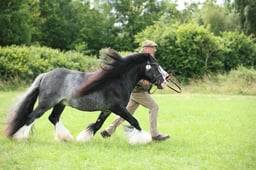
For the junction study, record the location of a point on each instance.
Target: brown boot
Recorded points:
(105, 134)
(160, 137)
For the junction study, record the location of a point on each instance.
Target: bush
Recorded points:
(241, 80)
(186, 50)
(248, 75)
(191, 51)
(238, 49)
(21, 62)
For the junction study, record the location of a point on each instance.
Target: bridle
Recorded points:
(156, 74)
(171, 84)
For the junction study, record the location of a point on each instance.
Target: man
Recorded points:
(140, 96)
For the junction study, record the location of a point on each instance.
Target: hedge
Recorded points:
(192, 51)
(28, 62)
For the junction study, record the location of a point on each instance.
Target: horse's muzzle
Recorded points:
(160, 85)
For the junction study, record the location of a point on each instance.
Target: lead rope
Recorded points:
(179, 90)
(170, 81)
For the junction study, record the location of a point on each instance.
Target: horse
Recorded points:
(106, 90)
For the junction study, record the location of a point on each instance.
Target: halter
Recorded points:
(171, 84)
(156, 76)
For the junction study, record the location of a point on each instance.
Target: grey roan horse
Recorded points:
(106, 90)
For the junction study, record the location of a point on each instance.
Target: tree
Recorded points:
(238, 49)
(247, 13)
(93, 28)
(219, 18)
(190, 14)
(131, 17)
(15, 25)
(56, 28)
(71, 24)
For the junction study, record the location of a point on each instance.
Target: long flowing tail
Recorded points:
(19, 115)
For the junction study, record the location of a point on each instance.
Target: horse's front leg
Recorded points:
(87, 134)
(135, 135)
(129, 118)
(61, 132)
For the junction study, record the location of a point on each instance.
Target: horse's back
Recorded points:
(59, 84)
(61, 75)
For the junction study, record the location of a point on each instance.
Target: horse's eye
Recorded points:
(148, 67)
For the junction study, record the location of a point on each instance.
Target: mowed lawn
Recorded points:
(207, 132)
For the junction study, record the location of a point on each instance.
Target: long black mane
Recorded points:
(111, 70)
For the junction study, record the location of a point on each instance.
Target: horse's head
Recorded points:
(153, 73)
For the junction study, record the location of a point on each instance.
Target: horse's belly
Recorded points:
(89, 104)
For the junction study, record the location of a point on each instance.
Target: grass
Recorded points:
(207, 132)
(240, 81)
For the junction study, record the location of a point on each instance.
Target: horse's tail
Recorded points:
(19, 115)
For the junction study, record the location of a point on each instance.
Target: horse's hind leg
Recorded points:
(87, 134)
(24, 131)
(61, 132)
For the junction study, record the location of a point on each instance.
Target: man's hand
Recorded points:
(145, 82)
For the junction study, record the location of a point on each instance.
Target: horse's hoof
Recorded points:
(137, 137)
(62, 133)
(85, 136)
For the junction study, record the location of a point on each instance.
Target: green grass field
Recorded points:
(207, 132)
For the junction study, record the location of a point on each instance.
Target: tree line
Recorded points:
(200, 39)
(89, 26)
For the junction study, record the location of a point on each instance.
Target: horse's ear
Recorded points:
(149, 57)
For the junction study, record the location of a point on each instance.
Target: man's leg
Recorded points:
(146, 100)
(131, 107)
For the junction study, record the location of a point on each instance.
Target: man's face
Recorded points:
(150, 50)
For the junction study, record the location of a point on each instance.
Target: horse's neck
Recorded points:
(132, 78)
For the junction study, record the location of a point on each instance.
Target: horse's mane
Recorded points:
(111, 70)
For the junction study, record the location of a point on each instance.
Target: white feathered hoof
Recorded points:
(136, 137)
(85, 136)
(22, 133)
(62, 133)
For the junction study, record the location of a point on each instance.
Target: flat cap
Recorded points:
(149, 43)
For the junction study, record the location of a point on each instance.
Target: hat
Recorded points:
(149, 43)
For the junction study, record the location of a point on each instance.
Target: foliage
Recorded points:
(247, 11)
(28, 62)
(190, 14)
(241, 81)
(156, 32)
(187, 46)
(191, 51)
(68, 24)
(131, 17)
(238, 49)
(15, 25)
(219, 18)
(247, 74)
(196, 49)
(55, 27)
(187, 50)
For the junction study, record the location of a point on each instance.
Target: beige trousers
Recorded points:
(136, 99)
